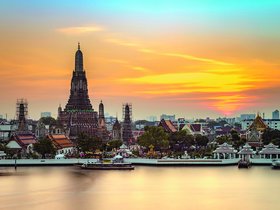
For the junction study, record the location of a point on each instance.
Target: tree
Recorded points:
(269, 134)
(154, 136)
(180, 139)
(223, 139)
(236, 140)
(86, 143)
(44, 147)
(114, 144)
(201, 141)
(234, 136)
(276, 141)
(48, 121)
(3, 147)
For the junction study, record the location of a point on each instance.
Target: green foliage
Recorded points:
(114, 144)
(48, 121)
(235, 137)
(86, 143)
(236, 140)
(276, 141)
(154, 136)
(180, 139)
(136, 153)
(270, 134)
(223, 139)
(239, 143)
(44, 147)
(3, 148)
(201, 140)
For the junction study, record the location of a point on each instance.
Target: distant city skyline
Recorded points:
(194, 59)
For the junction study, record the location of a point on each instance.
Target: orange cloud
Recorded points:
(79, 30)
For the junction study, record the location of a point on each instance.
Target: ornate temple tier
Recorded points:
(78, 115)
(79, 99)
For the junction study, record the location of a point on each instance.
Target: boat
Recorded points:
(244, 164)
(276, 164)
(107, 166)
(116, 164)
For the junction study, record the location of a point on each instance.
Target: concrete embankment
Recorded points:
(134, 161)
(43, 162)
(182, 162)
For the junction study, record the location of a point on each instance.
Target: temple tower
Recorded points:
(116, 132)
(101, 116)
(22, 112)
(79, 99)
(79, 115)
(127, 136)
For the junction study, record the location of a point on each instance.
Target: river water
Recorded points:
(159, 188)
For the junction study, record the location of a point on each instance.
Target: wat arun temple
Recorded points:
(79, 115)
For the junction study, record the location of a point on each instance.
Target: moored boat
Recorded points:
(276, 164)
(244, 164)
(107, 166)
(116, 164)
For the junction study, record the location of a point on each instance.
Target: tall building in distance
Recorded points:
(127, 136)
(247, 117)
(167, 117)
(46, 114)
(78, 115)
(275, 115)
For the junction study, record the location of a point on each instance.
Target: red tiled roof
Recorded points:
(60, 141)
(24, 139)
(195, 127)
(167, 126)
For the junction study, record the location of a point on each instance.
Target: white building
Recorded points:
(270, 151)
(246, 152)
(272, 123)
(247, 117)
(225, 151)
(168, 117)
(6, 130)
(46, 114)
(275, 115)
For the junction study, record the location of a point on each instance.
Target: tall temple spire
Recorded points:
(101, 110)
(79, 99)
(79, 66)
(79, 115)
(127, 136)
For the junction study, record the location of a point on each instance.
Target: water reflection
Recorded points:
(68, 188)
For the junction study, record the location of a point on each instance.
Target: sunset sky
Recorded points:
(189, 58)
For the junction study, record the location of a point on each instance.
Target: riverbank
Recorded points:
(134, 161)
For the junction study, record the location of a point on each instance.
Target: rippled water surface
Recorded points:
(68, 188)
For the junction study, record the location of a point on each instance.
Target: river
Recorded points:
(159, 188)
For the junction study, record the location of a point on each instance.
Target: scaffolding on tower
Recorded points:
(22, 113)
(127, 136)
(124, 113)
